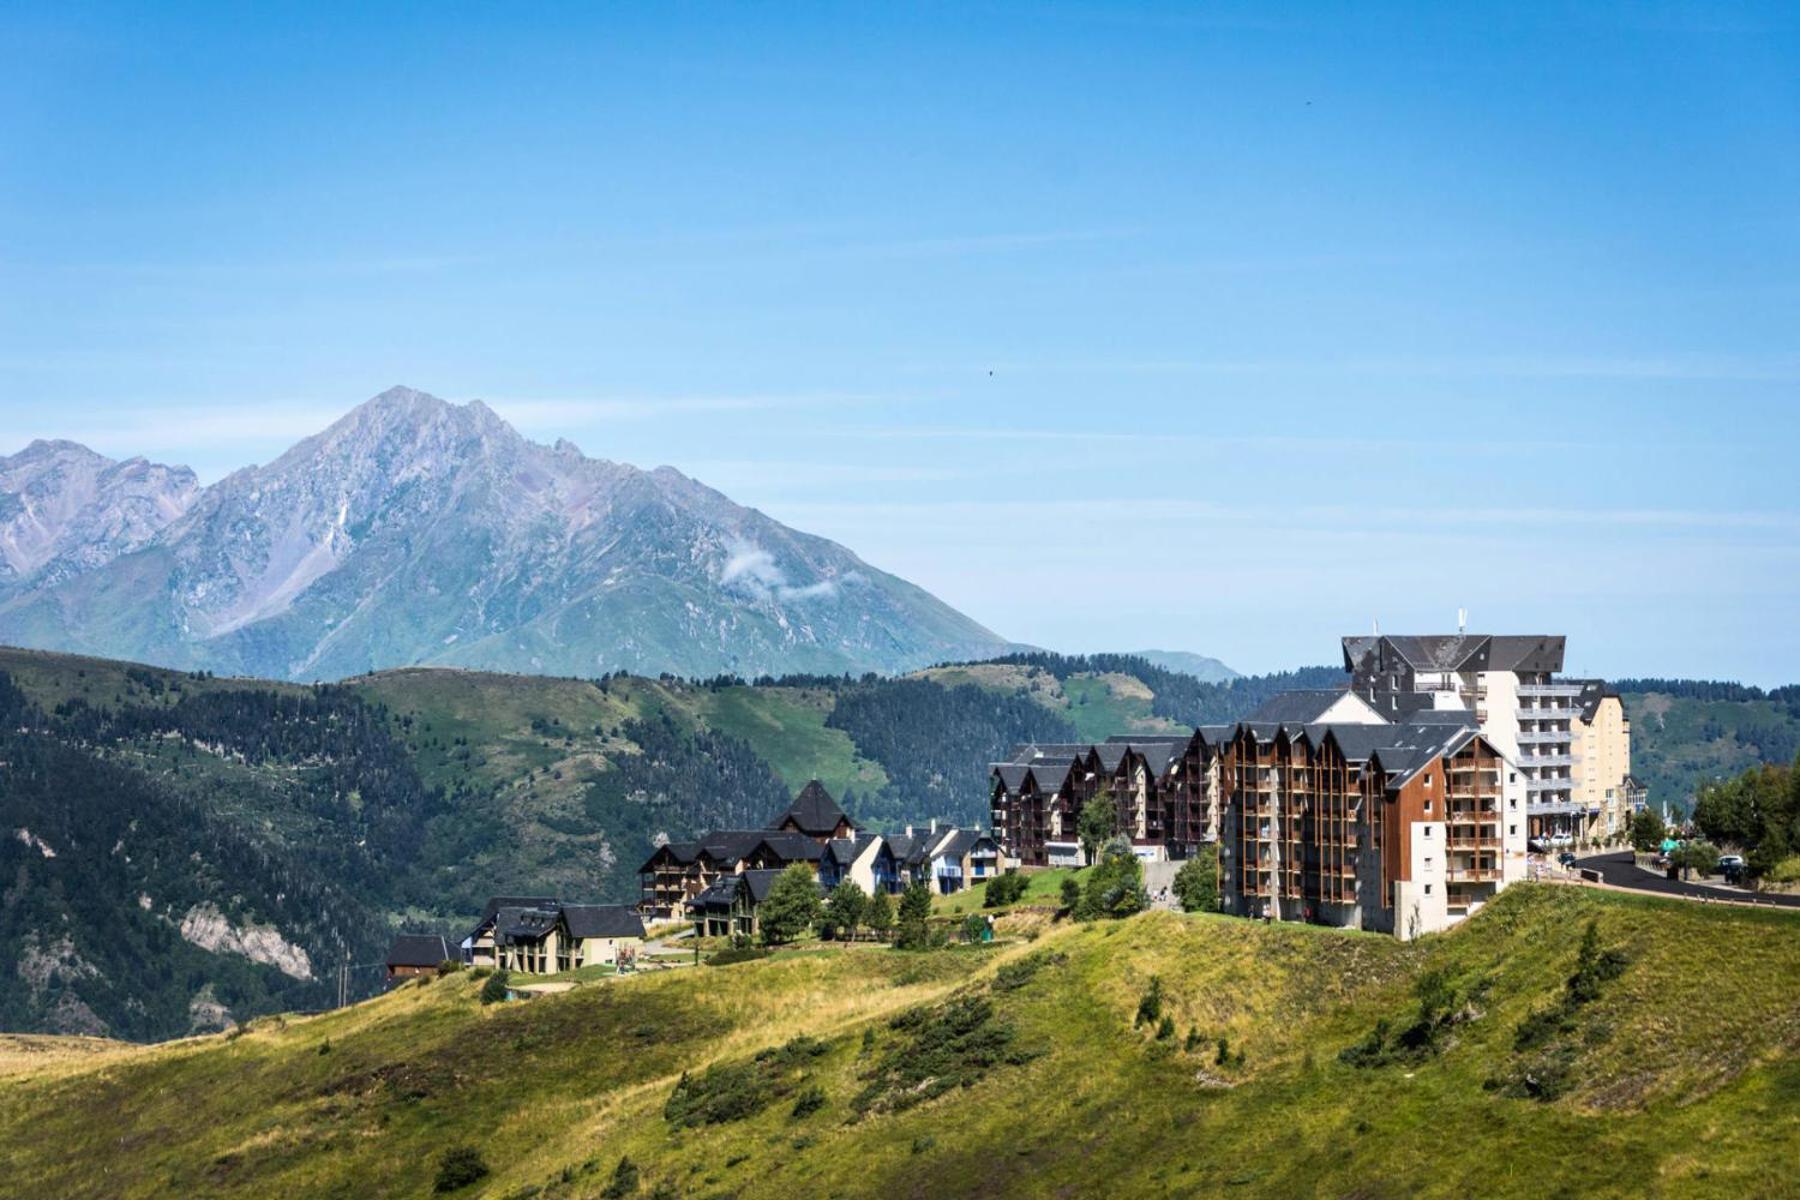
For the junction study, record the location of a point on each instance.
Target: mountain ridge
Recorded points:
(413, 531)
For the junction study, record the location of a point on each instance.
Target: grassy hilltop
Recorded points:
(1014, 1070)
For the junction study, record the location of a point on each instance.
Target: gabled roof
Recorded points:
(513, 926)
(903, 846)
(679, 853)
(1303, 706)
(1456, 652)
(496, 903)
(417, 950)
(845, 851)
(812, 812)
(1593, 691)
(958, 843)
(1011, 775)
(602, 920)
(759, 883)
(789, 847)
(727, 846)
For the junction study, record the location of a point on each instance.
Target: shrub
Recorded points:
(847, 907)
(1165, 1031)
(624, 1181)
(458, 1168)
(878, 914)
(1223, 1056)
(809, 1101)
(1115, 888)
(732, 1091)
(1194, 1040)
(448, 967)
(1197, 883)
(1005, 889)
(1150, 1004)
(1071, 894)
(948, 1046)
(973, 927)
(494, 990)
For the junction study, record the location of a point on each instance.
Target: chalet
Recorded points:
(676, 873)
(866, 860)
(728, 907)
(815, 814)
(478, 946)
(961, 858)
(416, 954)
(526, 939)
(590, 935)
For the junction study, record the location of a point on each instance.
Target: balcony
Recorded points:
(1545, 737)
(1473, 875)
(1540, 808)
(1549, 691)
(1535, 761)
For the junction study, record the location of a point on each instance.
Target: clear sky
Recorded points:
(1215, 327)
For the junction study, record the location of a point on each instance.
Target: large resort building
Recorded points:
(1402, 802)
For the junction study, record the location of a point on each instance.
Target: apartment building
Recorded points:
(1606, 793)
(1509, 683)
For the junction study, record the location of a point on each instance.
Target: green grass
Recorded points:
(1041, 887)
(786, 727)
(1688, 1084)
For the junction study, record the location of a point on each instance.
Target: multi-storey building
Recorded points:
(1509, 684)
(1402, 827)
(1606, 794)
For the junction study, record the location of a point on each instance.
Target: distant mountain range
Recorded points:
(414, 531)
(1185, 662)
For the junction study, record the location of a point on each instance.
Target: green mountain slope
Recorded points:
(1681, 741)
(1052, 1088)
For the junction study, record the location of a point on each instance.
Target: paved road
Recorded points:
(1621, 870)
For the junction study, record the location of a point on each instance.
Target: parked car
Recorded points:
(1729, 861)
(1565, 859)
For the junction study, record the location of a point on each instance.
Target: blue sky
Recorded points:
(1226, 328)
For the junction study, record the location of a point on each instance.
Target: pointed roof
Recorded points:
(813, 811)
(602, 920)
(417, 950)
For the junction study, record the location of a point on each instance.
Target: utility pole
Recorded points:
(343, 996)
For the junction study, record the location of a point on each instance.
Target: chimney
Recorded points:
(909, 832)
(934, 824)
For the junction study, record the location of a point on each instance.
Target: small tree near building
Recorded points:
(791, 907)
(1096, 824)
(1647, 831)
(1197, 883)
(1697, 856)
(847, 907)
(915, 912)
(878, 915)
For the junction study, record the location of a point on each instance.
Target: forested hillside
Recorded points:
(178, 850)
(1687, 733)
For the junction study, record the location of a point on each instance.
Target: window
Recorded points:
(1428, 834)
(1512, 829)
(1428, 889)
(1428, 806)
(1428, 862)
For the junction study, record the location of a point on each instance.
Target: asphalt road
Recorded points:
(1620, 870)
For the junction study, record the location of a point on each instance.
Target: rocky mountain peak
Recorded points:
(66, 509)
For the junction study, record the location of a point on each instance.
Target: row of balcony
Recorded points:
(1549, 690)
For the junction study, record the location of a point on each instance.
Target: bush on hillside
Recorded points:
(1004, 889)
(732, 1091)
(624, 1181)
(878, 914)
(942, 1047)
(1647, 831)
(847, 907)
(1115, 887)
(458, 1168)
(1071, 894)
(494, 990)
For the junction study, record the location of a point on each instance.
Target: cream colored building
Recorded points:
(1602, 752)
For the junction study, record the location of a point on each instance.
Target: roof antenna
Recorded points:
(1376, 622)
(1462, 620)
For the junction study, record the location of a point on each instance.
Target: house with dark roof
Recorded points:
(815, 814)
(597, 935)
(867, 860)
(728, 907)
(676, 873)
(479, 946)
(416, 954)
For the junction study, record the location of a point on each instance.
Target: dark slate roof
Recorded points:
(790, 847)
(680, 853)
(417, 950)
(959, 843)
(496, 903)
(717, 894)
(1298, 707)
(813, 811)
(845, 851)
(1051, 776)
(1111, 754)
(1217, 735)
(902, 845)
(1456, 652)
(1593, 691)
(515, 925)
(1012, 775)
(759, 883)
(602, 920)
(726, 846)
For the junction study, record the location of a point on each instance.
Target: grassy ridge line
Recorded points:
(1687, 1065)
